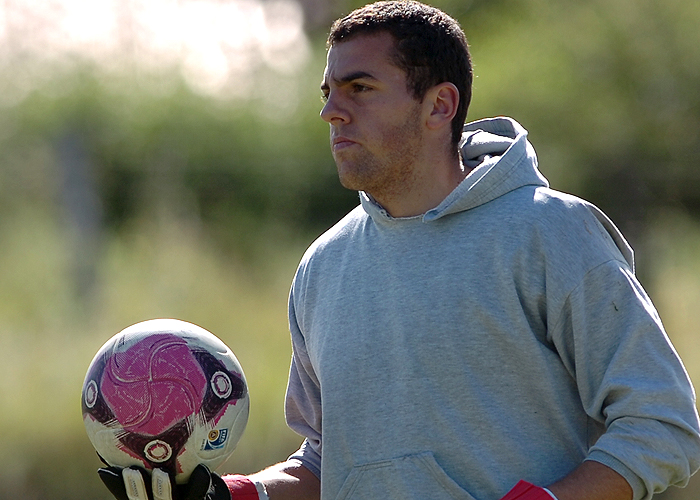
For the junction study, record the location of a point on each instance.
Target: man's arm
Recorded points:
(592, 481)
(289, 481)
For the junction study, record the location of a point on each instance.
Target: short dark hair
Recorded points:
(430, 47)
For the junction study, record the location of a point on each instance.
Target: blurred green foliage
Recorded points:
(124, 198)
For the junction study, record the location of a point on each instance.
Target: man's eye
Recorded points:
(324, 98)
(358, 87)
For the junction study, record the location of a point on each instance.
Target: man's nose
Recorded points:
(333, 110)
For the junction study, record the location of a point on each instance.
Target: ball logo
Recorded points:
(216, 439)
(158, 451)
(221, 385)
(91, 394)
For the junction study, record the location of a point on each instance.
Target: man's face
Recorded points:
(375, 122)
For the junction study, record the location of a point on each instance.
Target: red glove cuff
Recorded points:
(527, 491)
(240, 487)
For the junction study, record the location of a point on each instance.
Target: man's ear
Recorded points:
(442, 101)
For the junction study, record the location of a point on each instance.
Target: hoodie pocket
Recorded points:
(414, 476)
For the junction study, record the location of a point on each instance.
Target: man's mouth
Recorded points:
(341, 142)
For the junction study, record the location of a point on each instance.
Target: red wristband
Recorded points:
(527, 491)
(240, 487)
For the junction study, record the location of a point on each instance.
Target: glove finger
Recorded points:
(135, 483)
(162, 485)
(199, 484)
(112, 479)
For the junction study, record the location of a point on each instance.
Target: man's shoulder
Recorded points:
(338, 234)
(552, 208)
(570, 221)
(345, 227)
(551, 199)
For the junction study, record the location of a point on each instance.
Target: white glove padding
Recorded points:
(136, 487)
(135, 483)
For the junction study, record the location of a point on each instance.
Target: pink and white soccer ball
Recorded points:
(165, 394)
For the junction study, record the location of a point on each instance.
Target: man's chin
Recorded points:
(358, 174)
(350, 184)
(347, 175)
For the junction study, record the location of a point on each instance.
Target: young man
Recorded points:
(466, 332)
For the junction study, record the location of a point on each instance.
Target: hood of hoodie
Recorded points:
(501, 159)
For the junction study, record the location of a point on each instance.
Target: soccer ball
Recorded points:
(165, 394)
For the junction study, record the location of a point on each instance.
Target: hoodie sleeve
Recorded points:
(303, 399)
(631, 380)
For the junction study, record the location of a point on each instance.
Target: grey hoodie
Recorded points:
(500, 336)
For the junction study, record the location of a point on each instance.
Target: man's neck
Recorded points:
(425, 191)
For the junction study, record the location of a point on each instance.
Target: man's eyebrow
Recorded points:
(350, 77)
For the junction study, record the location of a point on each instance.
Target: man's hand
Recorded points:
(134, 483)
